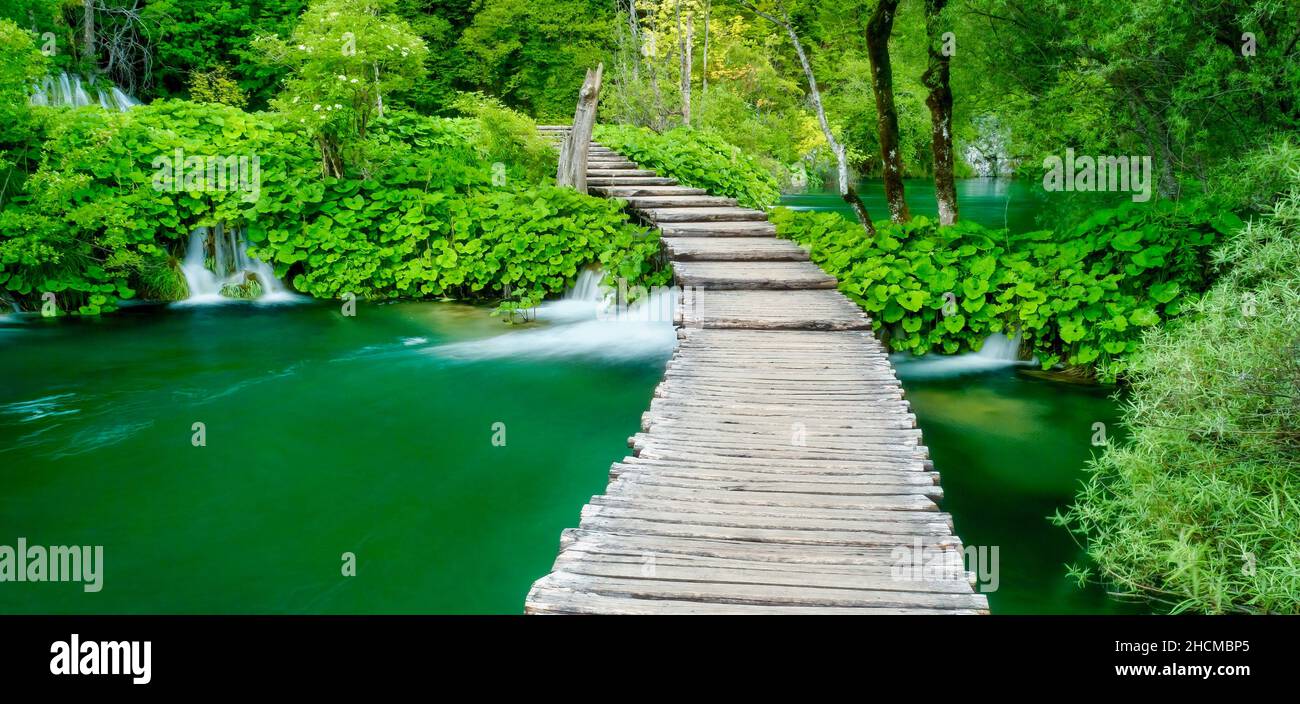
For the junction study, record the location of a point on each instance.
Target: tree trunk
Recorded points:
(685, 42)
(704, 64)
(636, 39)
(88, 29)
(939, 101)
(879, 27)
(847, 191)
(573, 154)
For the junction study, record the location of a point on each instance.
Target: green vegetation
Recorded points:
(351, 191)
(396, 156)
(697, 159)
(1078, 298)
(1201, 506)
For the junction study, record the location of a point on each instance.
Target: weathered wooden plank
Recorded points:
(631, 181)
(718, 249)
(753, 275)
(703, 214)
(634, 191)
(718, 229)
(596, 171)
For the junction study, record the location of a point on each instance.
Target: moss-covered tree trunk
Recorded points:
(88, 30)
(939, 100)
(879, 27)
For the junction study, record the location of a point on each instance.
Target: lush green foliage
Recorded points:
(201, 36)
(343, 57)
(21, 64)
(440, 219)
(90, 225)
(1079, 298)
(695, 158)
(216, 86)
(533, 54)
(1201, 506)
(417, 234)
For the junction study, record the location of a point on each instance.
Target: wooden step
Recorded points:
(771, 310)
(701, 201)
(631, 181)
(753, 275)
(719, 229)
(707, 214)
(618, 173)
(637, 191)
(733, 249)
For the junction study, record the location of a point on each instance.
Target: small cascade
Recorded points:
(591, 321)
(217, 268)
(66, 90)
(997, 352)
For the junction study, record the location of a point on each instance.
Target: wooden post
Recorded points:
(573, 153)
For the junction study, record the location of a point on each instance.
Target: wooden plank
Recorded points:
(633, 191)
(684, 201)
(631, 181)
(704, 214)
(753, 275)
(722, 249)
(719, 229)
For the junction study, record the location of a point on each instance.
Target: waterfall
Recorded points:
(588, 321)
(217, 268)
(65, 90)
(997, 352)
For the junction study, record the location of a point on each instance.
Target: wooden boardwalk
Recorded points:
(778, 469)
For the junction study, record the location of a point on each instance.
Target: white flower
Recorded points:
(302, 47)
(352, 81)
(296, 98)
(316, 106)
(337, 106)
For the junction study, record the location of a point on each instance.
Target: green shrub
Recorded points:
(433, 219)
(1254, 181)
(1078, 298)
(695, 158)
(1201, 506)
(216, 86)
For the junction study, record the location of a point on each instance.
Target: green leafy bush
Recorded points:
(91, 225)
(695, 158)
(1078, 298)
(1200, 507)
(433, 219)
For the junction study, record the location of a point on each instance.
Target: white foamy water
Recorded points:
(218, 256)
(66, 90)
(998, 352)
(587, 322)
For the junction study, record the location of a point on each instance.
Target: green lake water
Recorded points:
(325, 434)
(990, 202)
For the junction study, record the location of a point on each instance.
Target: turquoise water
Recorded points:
(991, 202)
(325, 435)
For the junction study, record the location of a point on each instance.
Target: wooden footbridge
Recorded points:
(778, 469)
